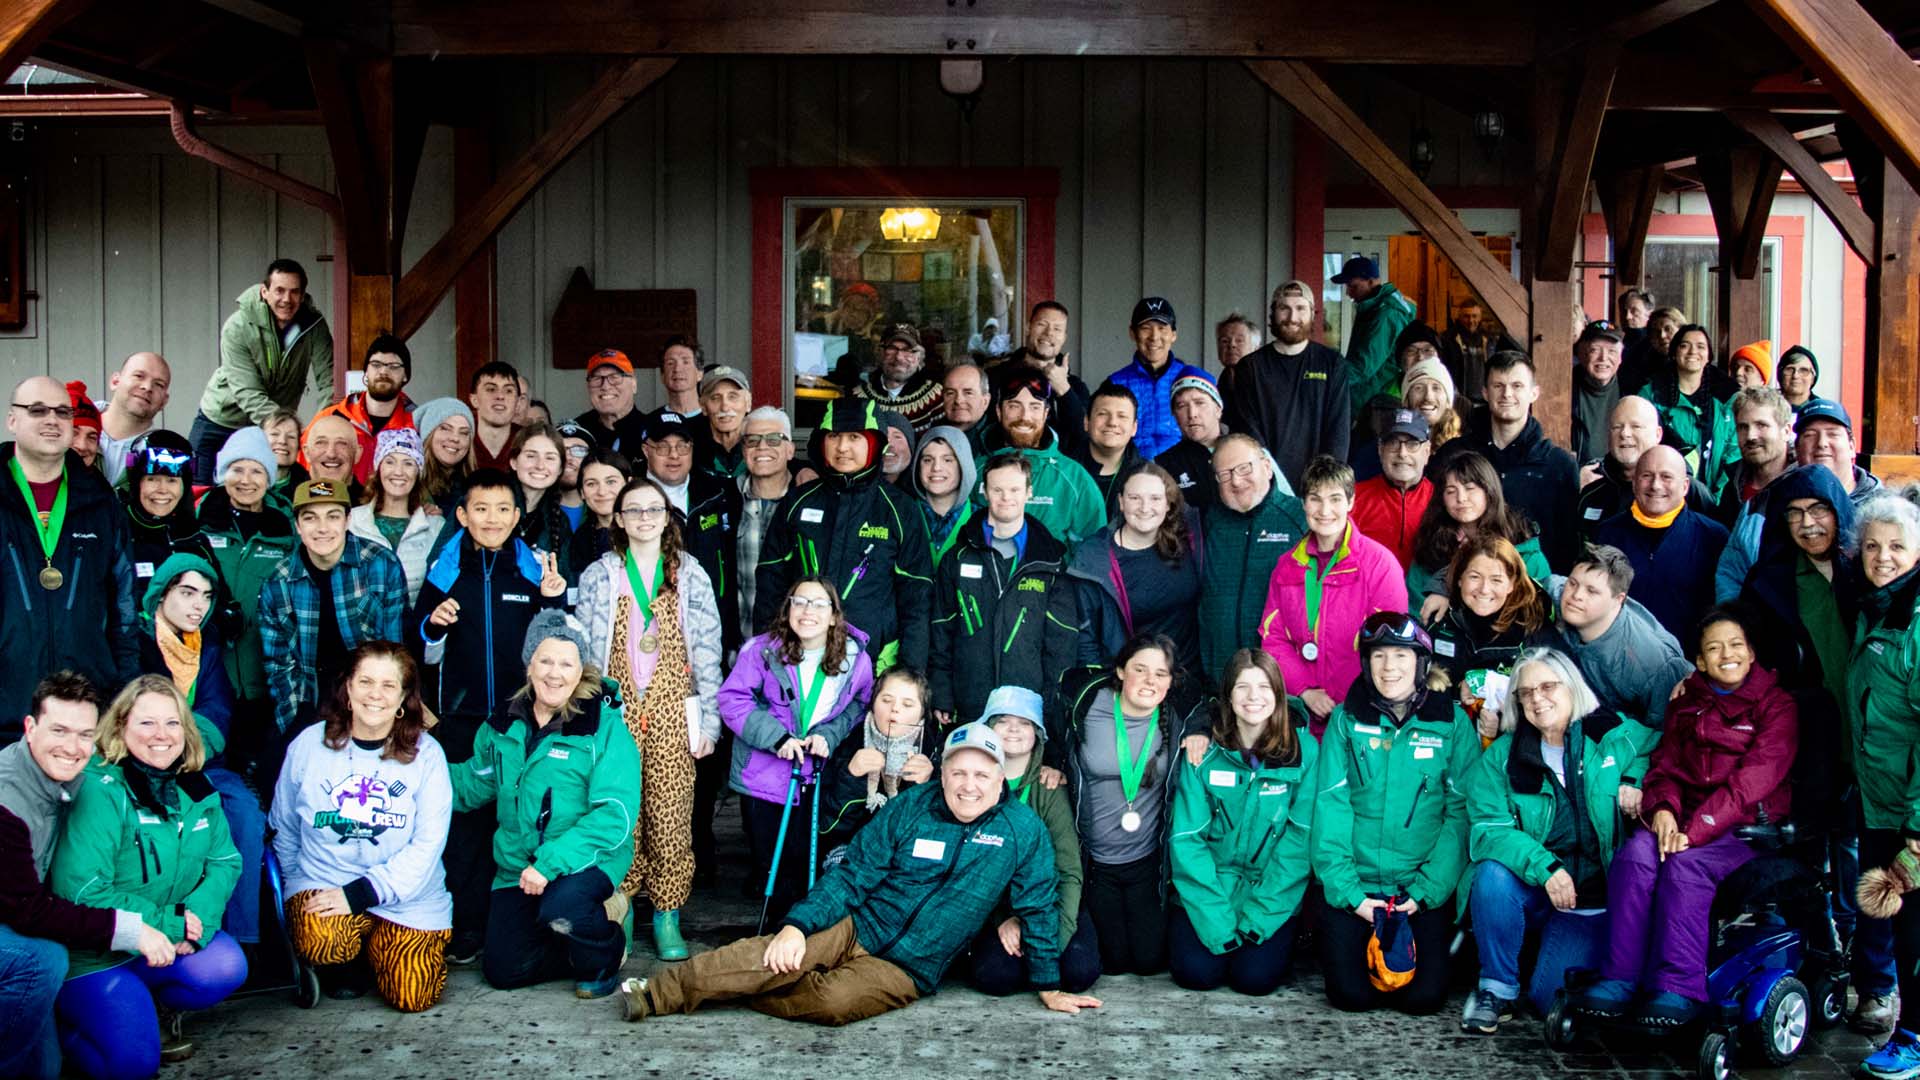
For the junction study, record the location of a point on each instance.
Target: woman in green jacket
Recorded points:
(1390, 828)
(1883, 716)
(1240, 823)
(998, 968)
(565, 773)
(146, 835)
(1543, 822)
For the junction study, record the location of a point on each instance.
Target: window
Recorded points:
(1680, 273)
(952, 269)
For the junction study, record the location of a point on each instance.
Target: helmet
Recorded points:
(1384, 628)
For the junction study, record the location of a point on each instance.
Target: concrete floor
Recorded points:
(1148, 1028)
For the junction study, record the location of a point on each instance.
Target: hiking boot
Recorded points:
(1607, 999)
(1875, 1014)
(633, 1000)
(1899, 1059)
(1669, 1010)
(667, 942)
(175, 1047)
(617, 907)
(1485, 1012)
(465, 948)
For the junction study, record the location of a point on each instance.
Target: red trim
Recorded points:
(1310, 212)
(1853, 333)
(1792, 232)
(770, 188)
(1473, 197)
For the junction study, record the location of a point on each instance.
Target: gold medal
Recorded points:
(649, 641)
(51, 579)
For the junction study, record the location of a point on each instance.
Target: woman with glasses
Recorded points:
(1390, 822)
(394, 514)
(797, 692)
(603, 473)
(654, 627)
(538, 458)
(1543, 823)
(1141, 577)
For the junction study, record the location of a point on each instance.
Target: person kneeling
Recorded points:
(563, 765)
(1723, 762)
(1240, 823)
(918, 883)
(360, 818)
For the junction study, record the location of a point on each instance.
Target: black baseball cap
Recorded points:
(1154, 309)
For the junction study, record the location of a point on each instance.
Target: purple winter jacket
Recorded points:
(757, 702)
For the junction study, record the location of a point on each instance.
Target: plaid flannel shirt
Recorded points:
(369, 598)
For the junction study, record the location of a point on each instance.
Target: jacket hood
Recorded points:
(1804, 482)
(845, 415)
(168, 573)
(956, 441)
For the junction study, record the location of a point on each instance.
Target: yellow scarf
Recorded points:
(182, 653)
(1660, 522)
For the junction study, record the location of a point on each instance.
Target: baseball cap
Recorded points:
(320, 491)
(1154, 309)
(1823, 409)
(1408, 422)
(714, 376)
(902, 332)
(609, 358)
(976, 736)
(1357, 267)
(573, 429)
(663, 424)
(1600, 328)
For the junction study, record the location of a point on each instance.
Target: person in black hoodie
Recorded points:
(1291, 393)
(67, 576)
(1538, 477)
(866, 536)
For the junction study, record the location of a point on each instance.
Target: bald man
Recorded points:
(138, 391)
(1673, 548)
(66, 581)
(330, 449)
(1606, 488)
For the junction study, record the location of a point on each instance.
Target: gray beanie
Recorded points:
(438, 411)
(554, 623)
(246, 444)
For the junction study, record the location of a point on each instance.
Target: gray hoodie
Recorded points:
(956, 440)
(1632, 668)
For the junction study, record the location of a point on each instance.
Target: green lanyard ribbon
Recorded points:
(1316, 583)
(641, 591)
(51, 528)
(812, 697)
(1132, 769)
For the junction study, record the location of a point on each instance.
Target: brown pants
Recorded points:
(838, 981)
(409, 966)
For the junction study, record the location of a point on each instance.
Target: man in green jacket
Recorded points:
(269, 349)
(1065, 499)
(1243, 534)
(880, 929)
(1380, 312)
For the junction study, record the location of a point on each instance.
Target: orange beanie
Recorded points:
(1759, 354)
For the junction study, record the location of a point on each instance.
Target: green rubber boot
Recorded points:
(667, 942)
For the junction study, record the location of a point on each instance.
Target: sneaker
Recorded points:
(1875, 1014)
(1899, 1059)
(465, 948)
(1607, 998)
(1485, 1012)
(617, 907)
(175, 1047)
(1669, 1010)
(589, 989)
(667, 942)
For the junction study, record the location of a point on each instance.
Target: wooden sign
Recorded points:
(638, 322)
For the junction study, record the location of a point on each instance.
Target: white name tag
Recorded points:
(573, 596)
(1592, 514)
(201, 824)
(970, 570)
(1367, 729)
(217, 541)
(1220, 777)
(929, 849)
(1443, 647)
(1420, 752)
(813, 514)
(143, 569)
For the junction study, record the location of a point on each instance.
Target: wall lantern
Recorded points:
(1420, 154)
(1489, 127)
(913, 224)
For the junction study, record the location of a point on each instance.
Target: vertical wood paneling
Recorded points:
(1173, 207)
(73, 295)
(872, 106)
(129, 300)
(1237, 182)
(692, 115)
(193, 308)
(1113, 268)
(1055, 137)
(997, 134)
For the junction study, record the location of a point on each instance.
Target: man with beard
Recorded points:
(1596, 388)
(1045, 348)
(901, 383)
(383, 404)
(1763, 424)
(1197, 406)
(1065, 499)
(611, 419)
(1464, 348)
(494, 394)
(967, 400)
(139, 392)
(725, 398)
(269, 351)
(1291, 393)
(1106, 451)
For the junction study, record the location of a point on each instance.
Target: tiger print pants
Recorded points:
(409, 966)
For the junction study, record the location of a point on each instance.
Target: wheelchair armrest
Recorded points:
(1767, 836)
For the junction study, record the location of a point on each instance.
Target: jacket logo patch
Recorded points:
(1273, 538)
(1040, 500)
(1877, 648)
(1321, 375)
(201, 824)
(559, 753)
(1031, 585)
(874, 532)
(83, 536)
(708, 521)
(1269, 788)
(516, 598)
(989, 839)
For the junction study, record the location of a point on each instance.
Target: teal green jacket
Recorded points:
(258, 375)
(1065, 499)
(1239, 846)
(1391, 818)
(1883, 707)
(1239, 551)
(568, 799)
(1709, 431)
(1372, 369)
(245, 564)
(123, 849)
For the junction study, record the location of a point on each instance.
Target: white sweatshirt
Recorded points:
(340, 815)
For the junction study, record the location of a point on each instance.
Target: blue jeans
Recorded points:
(31, 971)
(248, 826)
(1505, 910)
(207, 438)
(108, 1025)
(1872, 939)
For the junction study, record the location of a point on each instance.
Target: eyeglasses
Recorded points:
(775, 440)
(577, 451)
(383, 365)
(41, 412)
(1238, 472)
(609, 379)
(670, 448)
(642, 513)
(1543, 691)
(810, 603)
(1797, 515)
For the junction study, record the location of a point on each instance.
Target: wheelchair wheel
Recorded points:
(306, 986)
(1562, 1028)
(1829, 994)
(1716, 1057)
(1784, 1020)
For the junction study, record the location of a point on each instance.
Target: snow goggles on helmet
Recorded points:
(160, 461)
(1395, 628)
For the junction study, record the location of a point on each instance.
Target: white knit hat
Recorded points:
(1430, 368)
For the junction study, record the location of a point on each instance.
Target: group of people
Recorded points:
(1008, 674)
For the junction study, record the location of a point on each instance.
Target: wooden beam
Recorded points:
(124, 75)
(26, 24)
(1310, 96)
(1853, 223)
(1866, 70)
(1740, 182)
(1626, 202)
(1891, 424)
(1490, 32)
(260, 14)
(1550, 343)
(1576, 129)
(356, 99)
(1619, 27)
(434, 274)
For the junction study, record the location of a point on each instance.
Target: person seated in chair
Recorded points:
(1730, 738)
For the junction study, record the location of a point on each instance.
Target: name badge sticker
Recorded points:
(929, 849)
(1443, 647)
(1592, 513)
(216, 541)
(813, 514)
(1420, 752)
(143, 569)
(970, 570)
(1220, 777)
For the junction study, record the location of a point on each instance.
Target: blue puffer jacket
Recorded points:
(1158, 430)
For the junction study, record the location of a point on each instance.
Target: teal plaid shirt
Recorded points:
(369, 598)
